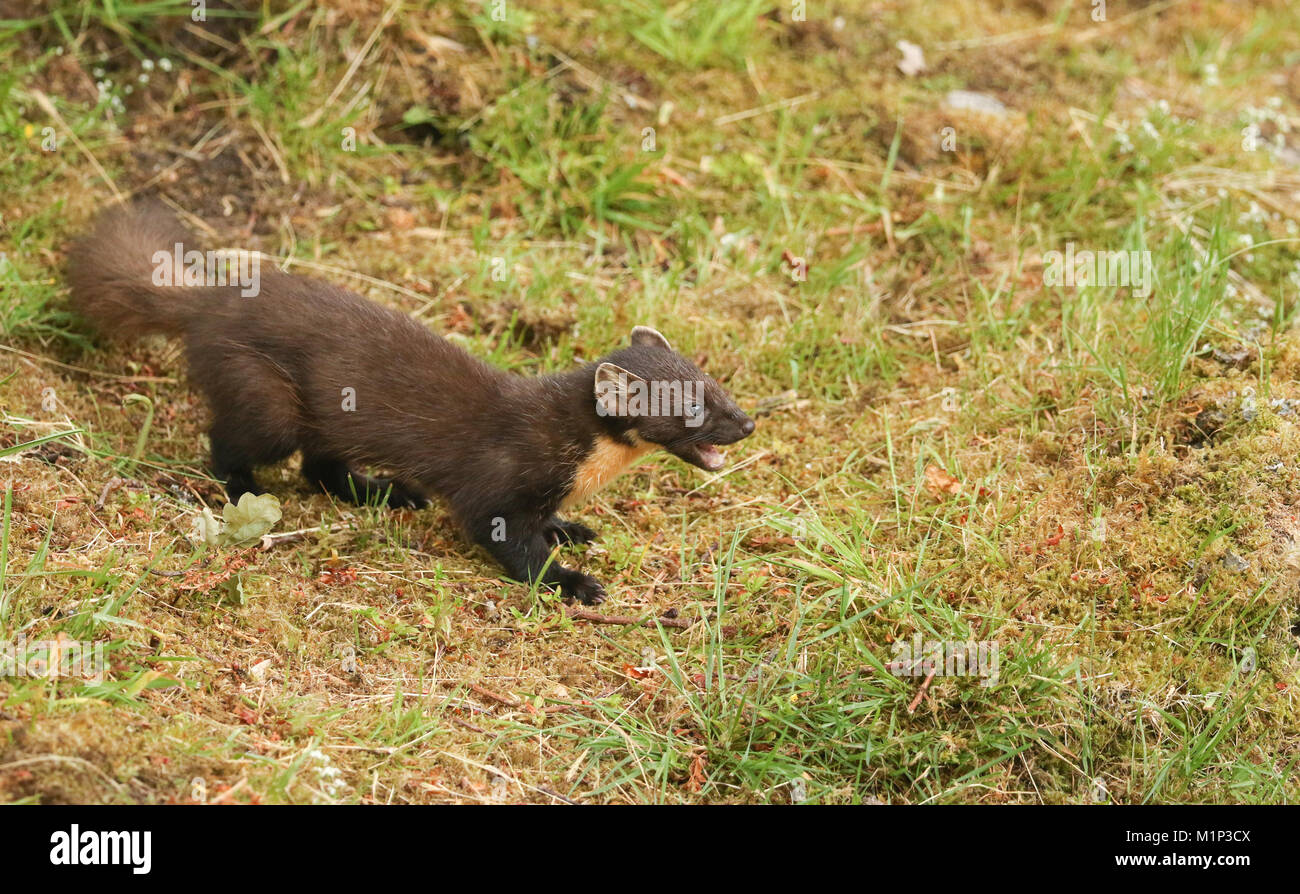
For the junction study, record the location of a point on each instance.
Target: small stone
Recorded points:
(970, 101)
(1283, 406)
(1238, 356)
(913, 61)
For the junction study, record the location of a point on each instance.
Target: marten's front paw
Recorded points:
(582, 587)
(569, 532)
(401, 496)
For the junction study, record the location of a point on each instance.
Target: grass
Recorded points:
(1099, 484)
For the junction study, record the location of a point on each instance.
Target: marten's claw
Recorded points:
(583, 587)
(402, 497)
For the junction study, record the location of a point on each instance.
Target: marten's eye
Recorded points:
(694, 410)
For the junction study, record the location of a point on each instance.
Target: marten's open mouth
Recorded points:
(708, 456)
(705, 454)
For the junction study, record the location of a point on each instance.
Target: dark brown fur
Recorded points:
(502, 449)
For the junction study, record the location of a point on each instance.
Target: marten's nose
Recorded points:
(747, 426)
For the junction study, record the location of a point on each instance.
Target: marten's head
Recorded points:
(651, 393)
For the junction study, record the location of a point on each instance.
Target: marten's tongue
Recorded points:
(711, 457)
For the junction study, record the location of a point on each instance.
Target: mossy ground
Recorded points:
(1103, 484)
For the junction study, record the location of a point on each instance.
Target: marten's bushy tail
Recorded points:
(112, 271)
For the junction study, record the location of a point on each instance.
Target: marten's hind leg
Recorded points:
(336, 478)
(237, 449)
(254, 415)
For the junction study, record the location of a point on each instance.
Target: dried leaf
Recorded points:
(698, 776)
(938, 482)
(207, 528)
(635, 672)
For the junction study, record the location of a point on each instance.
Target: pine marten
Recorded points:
(302, 365)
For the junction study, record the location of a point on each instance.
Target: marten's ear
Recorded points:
(613, 384)
(644, 335)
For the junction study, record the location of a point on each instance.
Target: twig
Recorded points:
(582, 614)
(469, 726)
(276, 155)
(780, 401)
(504, 775)
(288, 261)
(770, 107)
(508, 701)
(88, 372)
(113, 484)
(546, 791)
(920, 693)
(270, 540)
